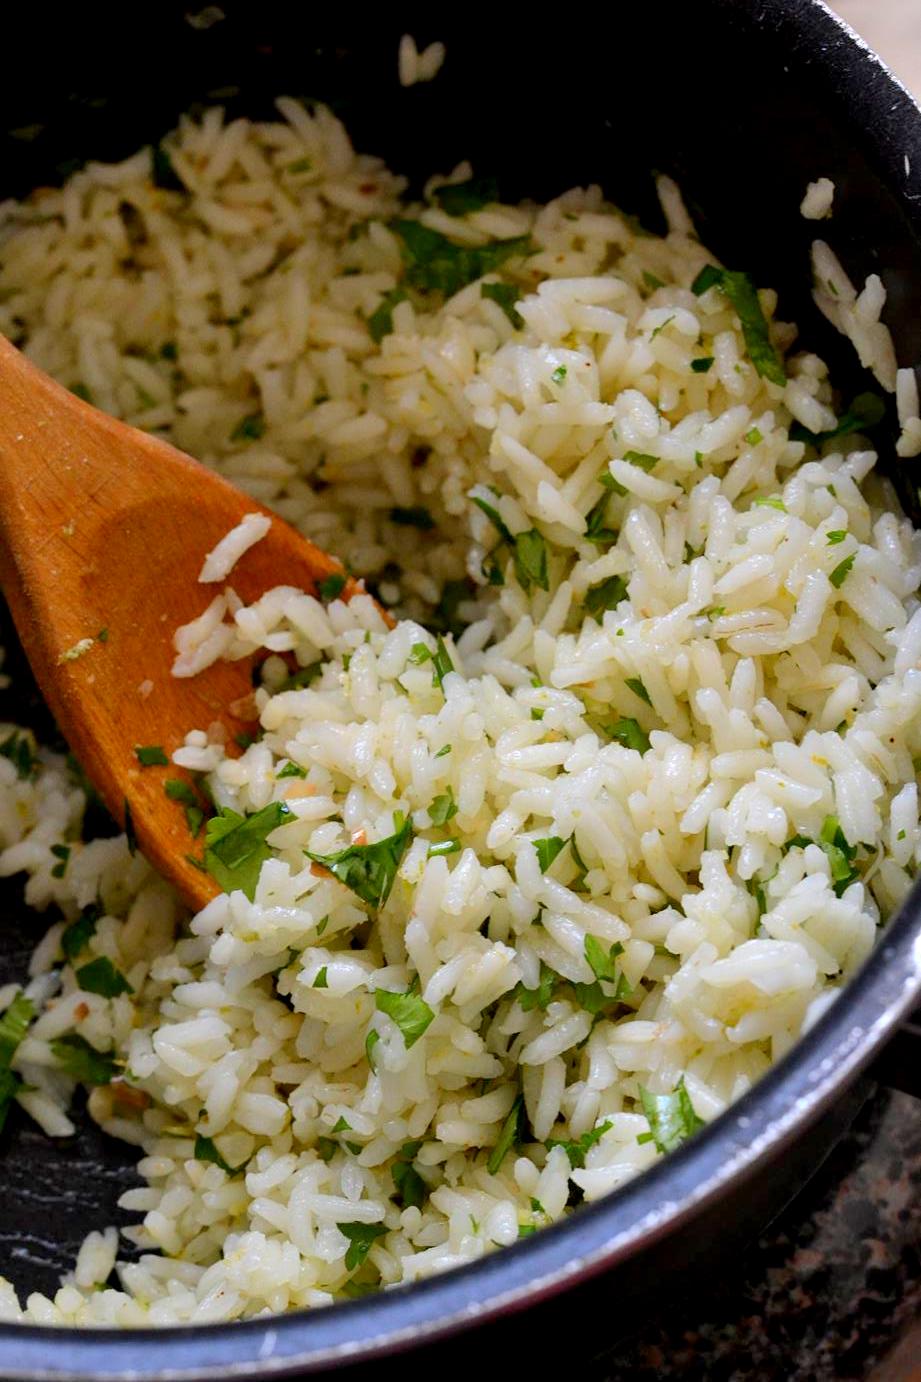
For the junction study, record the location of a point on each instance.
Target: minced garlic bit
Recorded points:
(78, 649)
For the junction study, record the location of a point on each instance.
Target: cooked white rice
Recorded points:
(221, 560)
(708, 718)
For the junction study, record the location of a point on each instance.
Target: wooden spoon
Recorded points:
(103, 530)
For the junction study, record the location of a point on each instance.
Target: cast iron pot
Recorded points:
(744, 102)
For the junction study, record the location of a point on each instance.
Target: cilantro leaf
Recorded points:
(150, 756)
(369, 870)
(83, 1062)
(702, 364)
(505, 295)
(842, 571)
(492, 514)
(606, 595)
(638, 689)
(360, 1237)
(867, 410)
(539, 997)
(459, 198)
(602, 961)
(671, 1117)
(380, 322)
(330, 588)
(236, 849)
(19, 748)
(410, 1013)
(742, 293)
(576, 1150)
(205, 1150)
(547, 850)
(441, 662)
(14, 1024)
(100, 976)
(443, 808)
(413, 518)
(531, 560)
(508, 1136)
(408, 1184)
(435, 263)
(840, 854)
(629, 733)
(78, 934)
(249, 428)
(291, 770)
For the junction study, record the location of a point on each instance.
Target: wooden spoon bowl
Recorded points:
(103, 530)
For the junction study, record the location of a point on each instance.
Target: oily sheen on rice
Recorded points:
(670, 756)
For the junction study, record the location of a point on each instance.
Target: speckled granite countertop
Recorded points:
(833, 1290)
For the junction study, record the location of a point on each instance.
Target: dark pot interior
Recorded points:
(743, 105)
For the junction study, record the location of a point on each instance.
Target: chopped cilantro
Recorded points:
(559, 374)
(753, 437)
(83, 1062)
(661, 327)
(606, 595)
(205, 1150)
(638, 689)
(641, 460)
(408, 1184)
(236, 848)
(330, 588)
(492, 513)
(100, 976)
(371, 1041)
(772, 502)
(410, 1013)
(435, 263)
(539, 997)
(291, 770)
(303, 676)
(162, 172)
(836, 536)
(531, 560)
(842, 571)
(360, 1237)
(630, 734)
(443, 808)
(702, 364)
(505, 295)
(742, 293)
(62, 854)
(651, 280)
(412, 518)
(446, 748)
(151, 756)
(867, 410)
(840, 854)
(14, 1024)
(419, 653)
(671, 1117)
(441, 662)
(577, 1150)
(79, 933)
(508, 1136)
(369, 870)
(321, 981)
(249, 428)
(380, 322)
(459, 198)
(19, 748)
(547, 850)
(601, 961)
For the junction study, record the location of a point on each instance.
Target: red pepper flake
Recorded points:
(319, 871)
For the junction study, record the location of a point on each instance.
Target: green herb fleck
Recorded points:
(671, 1117)
(410, 1013)
(630, 734)
(369, 870)
(547, 850)
(412, 518)
(838, 535)
(606, 595)
(702, 364)
(20, 749)
(443, 808)
(380, 322)
(100, 976)
(434, 263)
(151, 756)
(77, 936)
(866, 411)
(742, 293)
(505, 295)
(841, 571)
(531, 560)
(638, 689)
(576, 1151)
(236, 848)
(459, 198)
(559, 374)
(508, 1137)
(249, 428)
(360, 1237)
(83, 1062)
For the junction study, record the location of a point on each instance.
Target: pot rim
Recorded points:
(748, 1136)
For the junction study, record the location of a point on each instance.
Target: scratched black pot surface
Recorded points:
(606, 99)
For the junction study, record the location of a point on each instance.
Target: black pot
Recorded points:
(743, 103)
